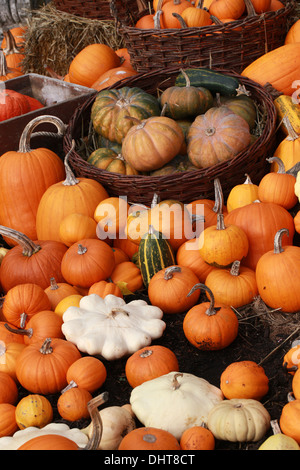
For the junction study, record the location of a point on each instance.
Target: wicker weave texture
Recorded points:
(185, 186)
(232, 45)
(94, 9)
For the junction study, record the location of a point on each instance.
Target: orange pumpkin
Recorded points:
(296, 384)
(197, 438)
(127, 276)
(8, 424)
(111, 217)
(88, 372)
(6, 73)
(291, 359)
(125, 57)
(242, 194)
(57, 291)
(275, 5)
(8, 389)
(244, 379)
(145, 22)
(18, 33)
(188, 255)
(112, 76)
(120, 255)
(7, 336)
(41, 325)
(290, 419)
(195, 16)
(34, 410)
(293, 34)
(104, 288)
(49, 442)
(227, 8)
(72, 403)
(91, 62)
(13, 54)
(75, 227)
(148, 438)
(9, 353)
(148, 363)
(167, 20)
(261, 6)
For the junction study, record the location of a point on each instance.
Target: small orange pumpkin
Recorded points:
(244, 379)
(197, 438)
(88, 372)
(149, 438)
(72, 403)
(8, 424)
(104, 288)
(127, 276)
(34, 410)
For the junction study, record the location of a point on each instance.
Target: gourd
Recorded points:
(117, 422)
(155, 401)
(155, 253)
(107, 159)
(88, 372)
(110, 108)
(114, 321)
(227, 8)
(188, 255)
(56, 291)
(9, 392)
(286, 106)
(149, 438)
(293, 33)
(244, 379)
(209, 326)
(275, 266)
(111, 216)
(34, 410)
(148, 363)
(216, 136)
(6, 73)
(8, 425)
(242, 194)
(80, 195)
(127, 276)
(103, 288)
(212, 80)
(40, 169)
(291, 358)
(288, 148)
(72, 403)
(75, 227)
(289, 420)
(111, 76)
(278, 441)
(197, 438)
(239, 420)
(9, 352)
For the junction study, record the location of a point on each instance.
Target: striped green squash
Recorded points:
(154, 253)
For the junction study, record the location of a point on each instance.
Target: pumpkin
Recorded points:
(102, 326)
(57, 291)
(7, 336)
(12, 104)
(111, 109)
(296, 384)
(167, 19)
(40, 169)
(111, 216)
(127, 245)
(261, 6)
(33, 410)
(117, 422)
(155, 401)
(75, 227)
(18, 33)
(72, 403)
(127, 276)
(87, 372)
(197, 438)
(293, 34)
(72, 300)
(79, 195)
(274, 267)
(149, 438)
(107, 159)
(169, 287)
(235, 286)
(119, 255)
(13, 54)
(243, 106)
(278, 187)
(288, 149)
(288, 109)
(188, 255)
(152, 142)
(112, 76)
(148, 363)
(242, 194)
(196, 16)
(23, 301)
(209, 326)
(239, 420)
(291, 358)
(155, 253)
(49, 442)
(87, 261)
(8, 424)
(91, 62)
(277, 67)
(244, 379)
(260, 221)
(9, 353)
(42, 366)
(185, 102)
(125, 57)
(6, 73)
(289, 420)
(8, 389)
(227, 8)
(103, 288)
(278, 441)
(216, 136)
(30, 262)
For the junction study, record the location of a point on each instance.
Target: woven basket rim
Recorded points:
(180, 178)
(249, 21)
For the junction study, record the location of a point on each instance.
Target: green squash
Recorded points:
(107, 159)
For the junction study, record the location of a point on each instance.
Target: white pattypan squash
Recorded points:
(111, 327)
(24, 435)
(174, 402)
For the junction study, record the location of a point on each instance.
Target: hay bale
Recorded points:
(53, 38)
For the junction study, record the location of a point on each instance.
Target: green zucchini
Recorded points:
(154, 254)
(216, 82)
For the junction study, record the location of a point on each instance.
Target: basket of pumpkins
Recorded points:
(172, 132)
(218, 33)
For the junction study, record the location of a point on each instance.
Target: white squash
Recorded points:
(110, 327)
(23, 435)
(117, 421)
(174, 402)
(239, 420)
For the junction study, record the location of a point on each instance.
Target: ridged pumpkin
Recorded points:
(293, 34)
(8, 424)
(227, 8)
(244, 379)
(34, 410)
(107, 159)
(6, 73)
(148, 438)
(279, 67)
(111, 76)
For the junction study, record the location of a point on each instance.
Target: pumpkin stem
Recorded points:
(116, 310)
(186, 77)
(175, 383)
(278, 240)
(150, 438)
(70, 180)
(4, 69)
(154, 201)
(92, 405)
(235, 268)
(250, 8)
(146, 353)
(220, 222)
(211, 310)
(219, 199)
(53, 284)
(156, 19)
(19, 331)
(281, 167)
(292, 134)
(81, 249)
(183, 24)
(248, 179)
(11, 46)
(170, 270)
(71, 384)
(29, 247)
(46, 347)
(24, 143)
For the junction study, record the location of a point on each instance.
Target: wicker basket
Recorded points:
(185, 186)
(202, 47)
(94, 9)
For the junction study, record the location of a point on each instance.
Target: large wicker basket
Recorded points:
(95, 9)
(231, 45)
(188, 185)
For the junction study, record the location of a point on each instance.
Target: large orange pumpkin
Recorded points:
(293, 34)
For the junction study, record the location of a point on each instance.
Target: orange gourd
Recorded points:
(120, 255)
(112, 76)
(91, 62)
(57, 291)
(188, 255)
(148, 363)
(72, 403)
(75, 227)
(293, 34)
(8, 424)
(34, 410)
(261, 6)
(104, 288)
(8, 389)
(291, 359)
(128, 246)
(127, 276)
(290, 419)
(88, 372)
(244, 379)
(111, 217)
(242, 194)
(197, 438)
(209, 326)
(9, 353)
(296, 384)
(167, 20)
(195, 16)
(149, 438)
(168, 289)
(227, 8)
